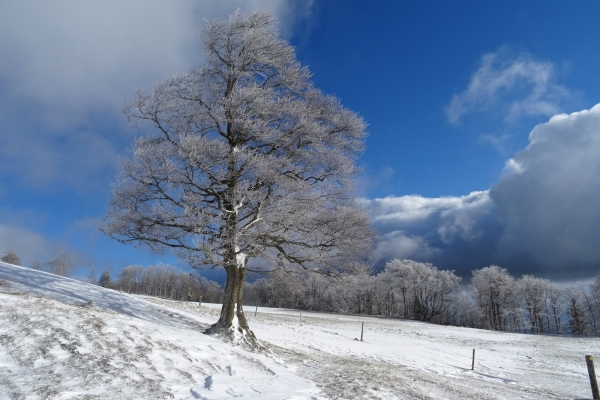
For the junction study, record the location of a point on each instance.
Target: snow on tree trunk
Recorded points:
(232, 322)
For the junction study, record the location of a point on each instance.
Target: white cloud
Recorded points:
(400, 245)
(67, 67)
(512, 167)
(413, 209)
(73, 54)
(512, 85)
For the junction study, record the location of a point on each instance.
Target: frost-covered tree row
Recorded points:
(167, 282)
(407, 289)
(531, 304)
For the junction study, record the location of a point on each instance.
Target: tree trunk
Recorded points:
(232, 323)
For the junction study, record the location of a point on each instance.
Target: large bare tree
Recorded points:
(248, 166)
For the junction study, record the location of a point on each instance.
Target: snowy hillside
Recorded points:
(61, 338)
(120, 346)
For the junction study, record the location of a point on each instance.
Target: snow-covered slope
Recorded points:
(55, 344)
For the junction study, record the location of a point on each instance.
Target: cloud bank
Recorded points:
(540, 217)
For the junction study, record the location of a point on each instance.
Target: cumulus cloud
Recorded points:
(68, 66)
(541, 216)
(511, 85)
(547, 196)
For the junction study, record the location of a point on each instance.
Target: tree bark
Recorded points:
(232, 323)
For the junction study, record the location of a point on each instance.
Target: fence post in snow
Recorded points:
(300, 318)
(362, 327)
(473, 362)
(256, 310)
(589, 360)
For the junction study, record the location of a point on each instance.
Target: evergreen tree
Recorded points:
(104, 280)
(11, 257)
(577, 323)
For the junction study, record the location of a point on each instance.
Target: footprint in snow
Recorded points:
(208, 382)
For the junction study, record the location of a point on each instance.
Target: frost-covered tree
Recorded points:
(591, 312)
(594, 302)
(105, 279)
(533, 293)
(248, 167)
(424, 291)
(61, 265)
(493, 291)
(400, 274)
(464, 313)
(129, 277)
(11, 257)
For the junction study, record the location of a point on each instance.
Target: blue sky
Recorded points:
(451, 92)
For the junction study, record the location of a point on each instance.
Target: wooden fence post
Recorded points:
(473, 362)
(589, 360)
(300, 318)
(362, 327)
(256, 310)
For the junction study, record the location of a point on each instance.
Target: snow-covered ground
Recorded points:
(54, 343)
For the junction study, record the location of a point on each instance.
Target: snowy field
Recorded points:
(64, 339)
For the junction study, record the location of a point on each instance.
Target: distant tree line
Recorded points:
(404, 289)
(164, 281)
(408, 289)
